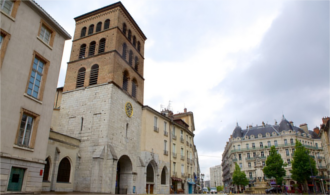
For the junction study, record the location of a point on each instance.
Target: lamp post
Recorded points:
(202, 177)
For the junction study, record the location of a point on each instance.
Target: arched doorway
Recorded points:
(150, 177)
(292, 184)
(124, 175)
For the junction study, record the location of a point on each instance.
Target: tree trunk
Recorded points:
(306, 186)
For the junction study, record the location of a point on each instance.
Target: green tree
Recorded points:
(219, 188)
(302, 164)
(239, 177)
(274, 166)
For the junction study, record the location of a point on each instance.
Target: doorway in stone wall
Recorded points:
(150, 179)
(124, 175)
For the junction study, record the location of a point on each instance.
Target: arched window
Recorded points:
(91, 29)
(82, 51)
(139, 46)
(94, 74)
(134, 86)
(134, 41)
(46, 170)
(81, 77)
(125, 80)
(150, 173)
(163, 177)
(92, 48)
(106, 24)
(124, 29)
(124, 51)
(64, 170)
(130, 58)
(129, 35)
(99, 27)
(102, 45)
(136, 67)
(83, 32)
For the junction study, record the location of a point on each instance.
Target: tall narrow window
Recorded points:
(134, 41)
(165, 124)
(92, 48)
(155, 122)
(25, 130)
(102, 45)
(124, 29)
(82, 123)
(291, 141)
(129, 35)
(285, 142)
(106, 24)
(64, 170)
(7, 6)
(136, 67)
(81, 77)
(139, 46)
(126, 130)
(1, 39)
(163, 177)
(46, 170)
(130, 58)
(83, 32)
(269, 144)
(94, 74)
(35, 78)
(125, 81)
(91, 29)
(275, 142)
(99, 27)
(134, 86)
(124, 51)
(82, 51)
(165, 145)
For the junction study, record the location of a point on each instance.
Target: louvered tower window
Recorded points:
(92, 48)
(82, 51)
(98, 27)
(134, 86)
(130, 59)
(124, 29)
(102, 45)
(94, 74)
(83, 32)
(106, 24)
(124, 51)
(139, 46)
(81, 77)
(91, 29)
(134, 41)
(136, 67)
(125, 81)
(129, 35)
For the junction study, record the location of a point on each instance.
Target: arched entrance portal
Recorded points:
(150, 180)
(124, 175)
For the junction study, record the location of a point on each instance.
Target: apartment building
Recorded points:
(31, 48)
(245, 145)
(325, 137)
(216, 176)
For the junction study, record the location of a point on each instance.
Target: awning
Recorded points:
(176, 179)
(192, 183)
(310, 185)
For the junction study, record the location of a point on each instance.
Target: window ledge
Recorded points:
(23, 148)
(32, 98)
(8, 16)
(50, 47)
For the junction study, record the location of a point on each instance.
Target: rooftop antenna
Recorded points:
(169, 105)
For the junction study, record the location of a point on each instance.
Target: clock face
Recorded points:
(129, 109)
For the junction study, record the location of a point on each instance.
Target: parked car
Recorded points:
(205, 190)
(213, 190)
(273, 190)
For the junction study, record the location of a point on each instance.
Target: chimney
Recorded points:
(263, 123)
(275, 122)
(316, 130)
(304, 127)
(185, 110)
(291, 123)
(250, 126)
(325, 120)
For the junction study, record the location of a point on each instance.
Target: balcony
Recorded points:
(234, 159)
(322, 167)
(182, 157)
(287, 177)
(320, 157)
(250, 159)
(174, 137)
(312, 156)
(182, 140)
(156, 129)
(166, 133)
(263, 157)
(174, 155)
(166, 152)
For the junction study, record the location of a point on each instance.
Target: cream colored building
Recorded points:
(216, 176)
(325, 137)
(246, 144)
(31, 48)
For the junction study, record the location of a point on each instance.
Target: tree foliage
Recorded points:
(302, 164)
(274, 166)
(239, 177)
(219, 188)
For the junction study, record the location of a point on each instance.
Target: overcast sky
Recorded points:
(226, 61)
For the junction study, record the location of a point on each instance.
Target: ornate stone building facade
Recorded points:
(245, 145)
(325, 137)
(30, 60)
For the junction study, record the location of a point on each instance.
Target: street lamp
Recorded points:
(202, 177)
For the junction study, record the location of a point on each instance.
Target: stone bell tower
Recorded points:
(102, 100)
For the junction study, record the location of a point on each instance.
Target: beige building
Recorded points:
(245, 145)
(325, 137)
(216, 176)
(31, 54)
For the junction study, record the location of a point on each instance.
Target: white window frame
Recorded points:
(44, 33)
(3, 2)
(155, 121)
(20, 142)
(36, 72)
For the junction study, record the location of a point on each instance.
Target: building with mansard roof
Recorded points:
(245, 145)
